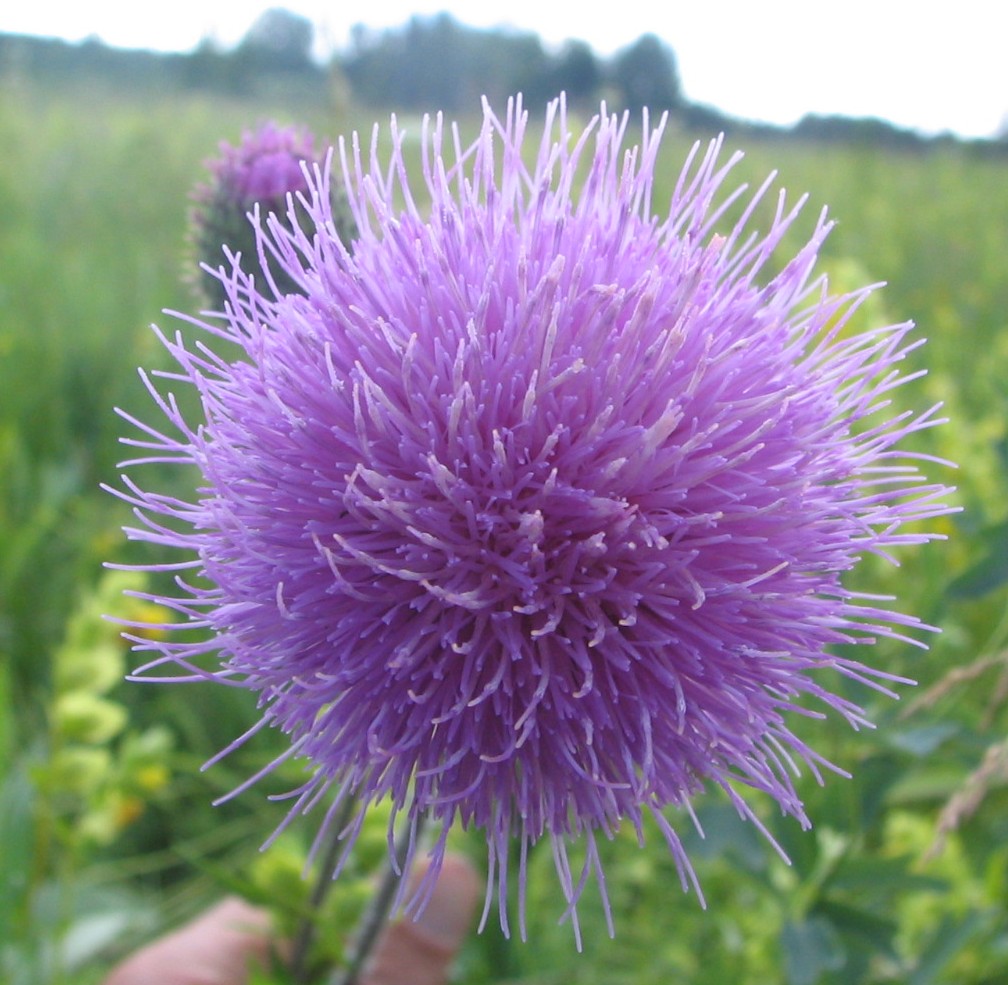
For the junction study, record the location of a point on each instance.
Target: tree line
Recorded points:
(438, 62)
(429, 63)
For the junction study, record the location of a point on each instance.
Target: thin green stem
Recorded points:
(299, 968)
(378, 913)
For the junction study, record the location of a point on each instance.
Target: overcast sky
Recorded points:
(936, 67)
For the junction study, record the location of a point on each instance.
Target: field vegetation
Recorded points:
(107, 833)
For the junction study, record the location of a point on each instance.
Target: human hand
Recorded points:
(223, 944)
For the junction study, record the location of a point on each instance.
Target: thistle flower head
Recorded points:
(266, 165)
(259, 173)
(532, 511)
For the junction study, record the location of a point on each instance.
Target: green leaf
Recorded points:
(925, 783)
(16, 858)
(950, 938)
(726, 834)
(811, 947)
(852, 921)
(922, 740)
(990, 572)
(883, 876)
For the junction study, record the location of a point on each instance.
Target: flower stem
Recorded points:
(309, 924)
(378, 913)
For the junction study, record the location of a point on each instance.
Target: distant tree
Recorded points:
(279, 39)
(207, 66)
(438, 63)
(645, 74)
(521, 65)
(577, 72)
(698, 116)
(856, 130)
(435, 61)
(420, 64)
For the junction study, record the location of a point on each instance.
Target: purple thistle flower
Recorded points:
(265, 165)
(532, 512)
(260, 172)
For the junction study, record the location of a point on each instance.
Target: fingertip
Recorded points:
(420, 952)
(216, 948)
(448, 916)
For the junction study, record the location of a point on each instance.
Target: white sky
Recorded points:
(934, 66)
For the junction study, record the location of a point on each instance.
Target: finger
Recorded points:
(217, 948)
(420, 952)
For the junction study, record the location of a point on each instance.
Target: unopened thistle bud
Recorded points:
(266, 171)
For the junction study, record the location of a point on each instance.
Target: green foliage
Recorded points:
(105, 819)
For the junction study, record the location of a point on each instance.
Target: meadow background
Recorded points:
(107, 833)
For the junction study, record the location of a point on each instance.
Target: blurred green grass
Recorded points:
(93, 201)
